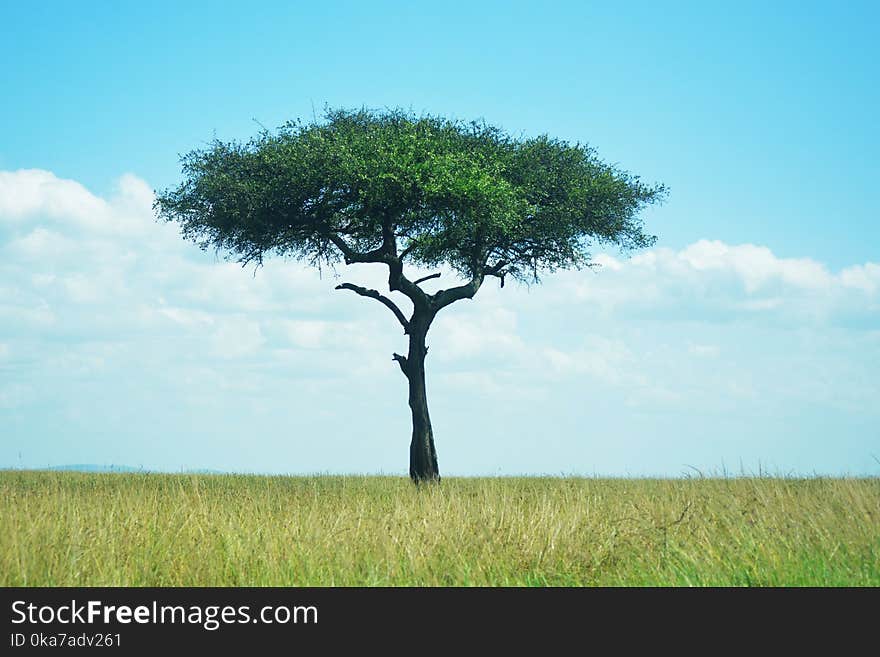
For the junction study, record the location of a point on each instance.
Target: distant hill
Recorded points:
(91, 467)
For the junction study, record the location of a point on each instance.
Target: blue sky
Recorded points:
(749, 335)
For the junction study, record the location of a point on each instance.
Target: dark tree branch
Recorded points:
(495, 270)
(407, 251)
(352, 256)
(389, 240)
(401, 360)
(467, 291)
(374, 294)
(397, 282)
(426, 278)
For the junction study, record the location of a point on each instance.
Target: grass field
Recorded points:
(167, 530)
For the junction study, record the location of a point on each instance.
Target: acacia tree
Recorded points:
(401, 190)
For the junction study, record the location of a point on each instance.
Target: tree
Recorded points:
(396, 189)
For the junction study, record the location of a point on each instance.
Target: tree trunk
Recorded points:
(422, 455)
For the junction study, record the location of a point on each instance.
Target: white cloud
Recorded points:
(474, 332)
(713, 281)
(185, 316)
(236, 337)
(306, 334)
(705, 350)
(755, 265)
(865, 278)
(29, 192)
(13, 395)
(67, 205)
(97, 298)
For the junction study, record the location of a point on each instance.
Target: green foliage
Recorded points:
(72, 529)
(427, 189)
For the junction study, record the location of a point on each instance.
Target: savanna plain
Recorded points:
(79, 529)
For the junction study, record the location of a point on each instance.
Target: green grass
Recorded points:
(70, 529)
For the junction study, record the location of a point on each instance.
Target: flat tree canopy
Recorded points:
(398, 189)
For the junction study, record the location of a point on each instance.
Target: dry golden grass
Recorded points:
(72, 529)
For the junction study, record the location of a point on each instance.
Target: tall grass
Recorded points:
(167, 530)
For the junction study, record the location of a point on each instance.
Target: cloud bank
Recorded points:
(121, 343)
